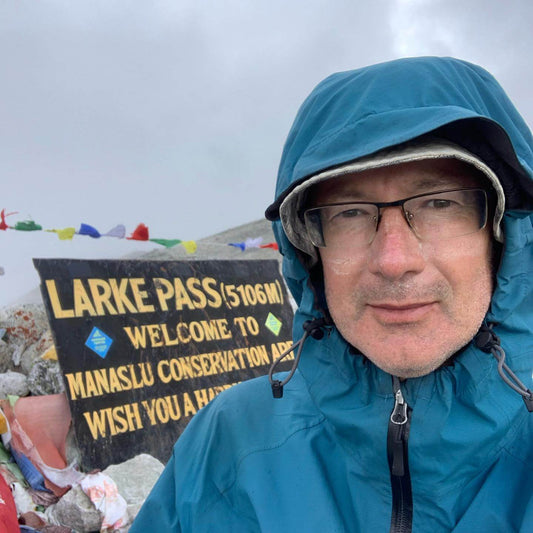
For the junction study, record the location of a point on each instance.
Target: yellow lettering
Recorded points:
(97, 422)
(173, 407)
(150, 410)
(201, 398)
(189, 408)
(90, 385)
(200, 301)
(164, 291)
(215, 300)
(257, 356)
(223, 328)
(82, 302)
(118, 419)
(168, 341)
(183, 333)
(101, 294)
(232, 362)
(101, 381)
(59, 312)
(121, 424)
(119, 294)
(162, 410)
(164, 377)
(146, 368)
(239, 353)
(279, 348)
(182, 296)
(137, 336)
(76, 385)
(121, 377)
(140, 295)
(133, 416)
(154, 330)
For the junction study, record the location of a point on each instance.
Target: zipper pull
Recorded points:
(399, 413)
(398, 419)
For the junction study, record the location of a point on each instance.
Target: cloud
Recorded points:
(494, 34)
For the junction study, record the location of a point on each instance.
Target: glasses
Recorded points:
(433, 216)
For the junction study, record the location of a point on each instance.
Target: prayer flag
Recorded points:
(190, 246)
(240, 245)
(168, 243)
(253, 243)
(85, 229)
(3, 215)
(65, 234)
(119, 231)
(27, 225)
(273, 245)
(140, 233)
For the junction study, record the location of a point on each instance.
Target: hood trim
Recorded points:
(292, 204)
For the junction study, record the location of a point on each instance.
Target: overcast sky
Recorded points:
(173, 113)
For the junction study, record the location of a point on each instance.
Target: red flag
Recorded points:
(273, 245)
(3, 215)
(140, 233)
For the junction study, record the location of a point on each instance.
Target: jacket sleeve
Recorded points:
(192, 493)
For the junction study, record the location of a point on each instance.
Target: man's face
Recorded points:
(407, 304)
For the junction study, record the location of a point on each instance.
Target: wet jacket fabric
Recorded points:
(317, 460)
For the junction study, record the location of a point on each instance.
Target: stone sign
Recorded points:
(143, 345)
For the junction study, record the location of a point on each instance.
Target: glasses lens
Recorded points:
(432, 217)
(338, 225)
(447, 214)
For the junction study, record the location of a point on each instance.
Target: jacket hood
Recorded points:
(354, 114)
(357, 113)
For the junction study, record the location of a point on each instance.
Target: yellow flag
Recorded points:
(190, 246)
(65, 234)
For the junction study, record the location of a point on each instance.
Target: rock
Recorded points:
(5, 353)
(135, 479)
(45, 378)
(33, 353)
(76, 511)
(13, 383)
(26, 327)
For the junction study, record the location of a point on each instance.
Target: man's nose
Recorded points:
(395, 250)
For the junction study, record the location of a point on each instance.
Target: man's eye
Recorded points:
(351, 213)
(439, 203)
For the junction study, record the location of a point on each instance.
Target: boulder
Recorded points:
(26, 328)
(33, 353)
(45, 378)
(13, 383)
(5, 352)
(135, 479)
(76, 511)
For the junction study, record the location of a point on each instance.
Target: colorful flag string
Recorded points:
(140, 233)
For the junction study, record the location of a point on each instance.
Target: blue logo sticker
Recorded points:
(99, 342)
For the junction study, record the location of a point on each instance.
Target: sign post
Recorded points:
(143, 345)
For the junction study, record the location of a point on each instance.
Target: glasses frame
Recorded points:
(397, 203)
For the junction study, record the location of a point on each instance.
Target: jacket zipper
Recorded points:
(397, 436)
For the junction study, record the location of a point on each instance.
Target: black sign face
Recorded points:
(143, 345)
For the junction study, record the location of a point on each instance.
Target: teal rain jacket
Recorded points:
(319, 460)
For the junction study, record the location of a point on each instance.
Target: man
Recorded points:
(404, 214)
